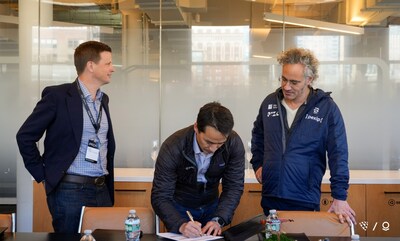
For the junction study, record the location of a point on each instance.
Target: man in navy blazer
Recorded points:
(77, 164)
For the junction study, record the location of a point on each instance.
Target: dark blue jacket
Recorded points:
(175, 178)
(294, 160)
(59, 114)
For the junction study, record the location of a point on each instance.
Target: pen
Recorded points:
(190, 216)
(191, 219)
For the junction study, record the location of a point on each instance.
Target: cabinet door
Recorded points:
(41, 214)
(135, 194)
(126, 194)
(383, 210)
(355, 198)
(250, 203)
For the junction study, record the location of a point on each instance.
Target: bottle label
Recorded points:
(276, 225)
(128, 227)
(136, 227)
(132, 229)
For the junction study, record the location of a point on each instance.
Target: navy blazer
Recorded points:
(59, 113)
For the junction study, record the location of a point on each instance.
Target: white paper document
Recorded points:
(180, 237)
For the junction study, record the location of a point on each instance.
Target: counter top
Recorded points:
(372, 177)
(356, 176)
(133, 174)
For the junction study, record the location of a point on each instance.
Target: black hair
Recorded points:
(215, 115)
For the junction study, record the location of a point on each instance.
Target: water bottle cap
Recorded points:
(272, 211)
(132, 211)
(87, 231)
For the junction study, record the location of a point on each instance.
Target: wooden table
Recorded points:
(116, 235)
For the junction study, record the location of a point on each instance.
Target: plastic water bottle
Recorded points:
(272, 224)
(268, 226)
(87, 235)
(276, 223)
(132, 226)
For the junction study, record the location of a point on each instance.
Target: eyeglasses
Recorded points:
(291, 82)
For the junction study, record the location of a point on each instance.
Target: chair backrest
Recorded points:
(114, 218)
(8, 221)
(314, 223)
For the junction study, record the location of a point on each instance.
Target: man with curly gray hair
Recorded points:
(296, 130)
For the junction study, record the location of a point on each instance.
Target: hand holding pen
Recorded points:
(192, 228)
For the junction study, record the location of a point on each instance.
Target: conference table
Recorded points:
(117, 235)
(99, 235)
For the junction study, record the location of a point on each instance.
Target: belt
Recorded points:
(98, 181)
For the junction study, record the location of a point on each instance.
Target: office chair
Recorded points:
(114, 218)
(8, 221)
(314, 224)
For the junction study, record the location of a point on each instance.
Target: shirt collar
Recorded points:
(86, 92)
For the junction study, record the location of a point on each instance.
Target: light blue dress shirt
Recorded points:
(202, 161)
(80, 166)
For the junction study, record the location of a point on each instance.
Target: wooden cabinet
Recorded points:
(41, 213)
(377, 206)
(355, 198)
(126, 194)
(383, 210)
(136, 194)
(250, 203)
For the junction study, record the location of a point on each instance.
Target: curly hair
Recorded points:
(301, 56)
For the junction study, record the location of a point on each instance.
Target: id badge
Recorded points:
(92, 152)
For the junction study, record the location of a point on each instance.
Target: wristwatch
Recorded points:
(218, 220)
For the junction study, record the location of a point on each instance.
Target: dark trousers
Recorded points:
(201, 214)
(66, 201)
(269, 203)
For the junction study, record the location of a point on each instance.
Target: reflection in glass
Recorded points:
(249, 155)
(154, 152)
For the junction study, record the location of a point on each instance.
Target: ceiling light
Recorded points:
(70, 3)
(309, 23)
(261, 56)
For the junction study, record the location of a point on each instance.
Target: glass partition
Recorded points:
(172, 57)
(9, 86)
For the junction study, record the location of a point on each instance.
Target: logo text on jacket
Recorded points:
(315, 118)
